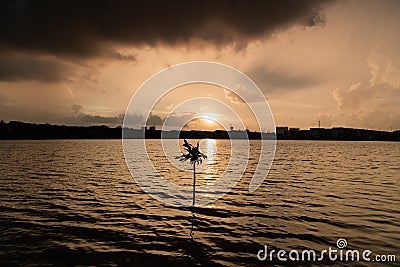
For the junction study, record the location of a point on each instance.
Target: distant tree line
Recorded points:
(22, 130)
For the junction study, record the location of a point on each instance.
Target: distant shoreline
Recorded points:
(15, 130)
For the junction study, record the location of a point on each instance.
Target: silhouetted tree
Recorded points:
(195, 156)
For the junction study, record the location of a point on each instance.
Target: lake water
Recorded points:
(74, 202)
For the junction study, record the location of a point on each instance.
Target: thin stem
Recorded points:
(194, 183)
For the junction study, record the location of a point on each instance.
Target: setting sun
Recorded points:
(205, 123)
(209, 118)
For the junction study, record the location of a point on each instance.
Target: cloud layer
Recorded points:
(82, 28)
(345, 72)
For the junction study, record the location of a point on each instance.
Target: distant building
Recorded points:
(318, 133)
(282, 132)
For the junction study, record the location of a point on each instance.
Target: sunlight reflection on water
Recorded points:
(73, 202)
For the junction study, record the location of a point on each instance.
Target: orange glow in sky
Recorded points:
(336, 62)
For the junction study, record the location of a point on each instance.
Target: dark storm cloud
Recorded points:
(28, 68)
(154, 120)
(280, 79)
(83, 28)
(179, 119)
(76, 108)
(95, 119)
(120, 56)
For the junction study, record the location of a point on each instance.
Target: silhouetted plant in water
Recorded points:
(195, 156)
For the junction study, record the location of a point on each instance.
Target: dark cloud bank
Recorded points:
(82, 28)
(14, 67)
(35, 35)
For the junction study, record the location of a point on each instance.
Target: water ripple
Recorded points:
(73, 202)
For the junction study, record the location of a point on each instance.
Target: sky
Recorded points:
(80, 62)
